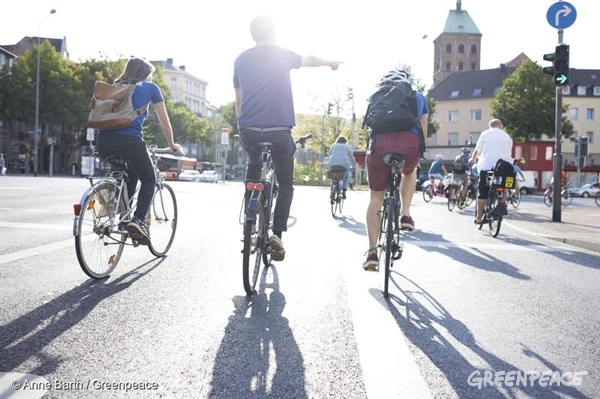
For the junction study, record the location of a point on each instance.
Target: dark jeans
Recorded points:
(283, 161)
(133, 150)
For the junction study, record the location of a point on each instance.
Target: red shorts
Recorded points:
(405, 143)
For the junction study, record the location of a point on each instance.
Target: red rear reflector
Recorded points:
(254, 186)
(77, 209)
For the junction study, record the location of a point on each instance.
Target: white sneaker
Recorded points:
(277, 250)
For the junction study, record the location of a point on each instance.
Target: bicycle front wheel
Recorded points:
(162, 220)
(99, 241)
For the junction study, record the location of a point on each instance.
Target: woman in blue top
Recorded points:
(129, 144)
(341, 157)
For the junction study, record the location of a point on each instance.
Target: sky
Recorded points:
(370, 37)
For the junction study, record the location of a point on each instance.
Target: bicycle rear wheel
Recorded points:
(254, 246)
(390, 220)
(99, 242)
(162, 220)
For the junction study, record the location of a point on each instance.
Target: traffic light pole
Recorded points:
(556, 188)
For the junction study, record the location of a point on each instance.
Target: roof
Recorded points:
(462, 85)
(459, 21)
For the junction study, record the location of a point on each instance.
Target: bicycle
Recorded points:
(106, 207)
(336, 199)
(495, 206)
(514, 197)
(566, 197)
(258, 218)
(389, 235)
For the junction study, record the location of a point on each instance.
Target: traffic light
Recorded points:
(560, 65)
(329, 105)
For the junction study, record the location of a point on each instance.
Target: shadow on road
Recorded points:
(443, 339)
(26, 337)
(259, 356)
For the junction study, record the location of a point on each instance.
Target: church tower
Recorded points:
(458, 47)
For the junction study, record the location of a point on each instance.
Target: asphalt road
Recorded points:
(462, 305)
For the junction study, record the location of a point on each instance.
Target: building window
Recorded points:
(452, 116)
(574, 113)
(473, 49)
(452, 138)
(461, 48)
(448, 48)
(473, 66)
(581, 90)
(590, 137)
(475, 115)
(454, 94)
(460, 66)
(447, 65)
(549, 153)
(533, 150)
(589, 114)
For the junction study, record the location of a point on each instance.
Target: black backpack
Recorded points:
(393, 109)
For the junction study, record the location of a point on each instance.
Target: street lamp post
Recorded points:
(37, 98)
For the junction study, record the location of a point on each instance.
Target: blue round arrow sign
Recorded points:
(561, 15)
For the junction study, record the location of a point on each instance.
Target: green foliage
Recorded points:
(526, 104)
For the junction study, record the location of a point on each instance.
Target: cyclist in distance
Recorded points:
(129, 143)
(405, 143)
(265, 113)
(493, 144)
(461, 170)
(341, 156)
(435, 172)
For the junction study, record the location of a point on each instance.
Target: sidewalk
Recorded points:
(579, 227)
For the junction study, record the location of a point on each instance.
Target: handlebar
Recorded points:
(302, 140)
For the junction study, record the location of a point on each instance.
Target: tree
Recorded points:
(526, 104)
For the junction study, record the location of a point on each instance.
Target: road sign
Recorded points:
(561, 15)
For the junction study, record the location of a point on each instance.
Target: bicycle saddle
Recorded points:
(392, 159)
(264, 144)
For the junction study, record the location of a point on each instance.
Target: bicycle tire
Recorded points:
(162, 220)
(566, 199)
(99, 243)
(516, 201)
(427, 195)
(254, 244)
(451, 199)
(389, 243)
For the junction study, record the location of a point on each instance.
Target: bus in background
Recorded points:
(172, 166)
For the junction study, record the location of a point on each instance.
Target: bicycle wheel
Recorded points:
(567, 198)
(494, 222)
(389, 241)
(451, 199)
(515, 199)
(548, 198)
(99, 242)
(254, 244)
(428, 193)
(162, 220)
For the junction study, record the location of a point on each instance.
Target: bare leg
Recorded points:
(407, 190)
(374, 219)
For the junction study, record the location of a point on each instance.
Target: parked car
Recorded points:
(210, 176)
(585, 191)
(190, 175)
